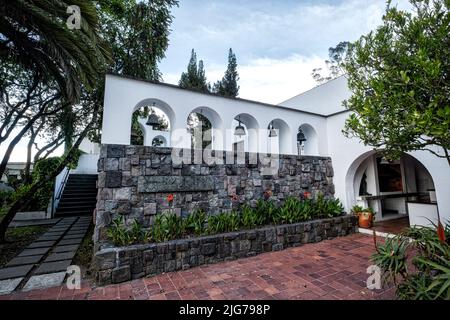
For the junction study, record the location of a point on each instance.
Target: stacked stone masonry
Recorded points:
(134, 181)
(115, 265)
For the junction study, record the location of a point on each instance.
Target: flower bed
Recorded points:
(118, 264)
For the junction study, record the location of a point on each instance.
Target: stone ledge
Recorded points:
(115, 265)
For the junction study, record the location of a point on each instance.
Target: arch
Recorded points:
(251, 125)
(159, 104)
(162, 109)
(161, 138)
(311, 145)
(216, 125)
(415, 178)
(282, 143)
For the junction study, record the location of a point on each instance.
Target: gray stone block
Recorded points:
(33, 252)
(60, 256)
(15, 272)
(113, 179)
(121, 274)
(41, 244)
(19, 261)
(52, 267)
(66, 248)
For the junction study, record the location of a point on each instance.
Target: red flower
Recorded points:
(441, 232)
(267, 194)
(307, 194)
(234, 197)
(170, 198)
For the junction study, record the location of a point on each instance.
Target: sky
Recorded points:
(277, 42)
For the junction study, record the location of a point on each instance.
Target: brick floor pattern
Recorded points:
(329, 270)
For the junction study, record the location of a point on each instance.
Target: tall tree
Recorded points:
(334, 68)
(228, 86)
(400, 79)
(138, 33)
(194, 77)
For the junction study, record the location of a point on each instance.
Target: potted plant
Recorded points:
(366, 216)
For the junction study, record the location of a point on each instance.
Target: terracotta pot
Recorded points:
(365, 220)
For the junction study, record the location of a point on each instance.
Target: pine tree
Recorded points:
(194, 77)
(228, 86)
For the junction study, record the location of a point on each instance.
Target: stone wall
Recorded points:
(115, 265)
(134, 181)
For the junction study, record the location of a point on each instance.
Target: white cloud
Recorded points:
(268, 80)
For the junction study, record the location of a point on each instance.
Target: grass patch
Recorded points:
(83, 257)
(17, 239)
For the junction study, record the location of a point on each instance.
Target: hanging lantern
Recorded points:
(301, 137)
(239, 131)
(272, 131)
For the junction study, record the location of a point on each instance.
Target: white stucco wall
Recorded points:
(324, 99)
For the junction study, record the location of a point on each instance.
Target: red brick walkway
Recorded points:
(334, 269)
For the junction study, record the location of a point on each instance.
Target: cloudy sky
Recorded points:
(277, 42)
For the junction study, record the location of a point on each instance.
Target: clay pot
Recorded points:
(365, 220)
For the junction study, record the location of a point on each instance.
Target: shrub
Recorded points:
(223, 222)
(289, 211)
(250, 217)
(266, 211)
(167, 226)
(429, 279)
(121, 235)
(195, 222)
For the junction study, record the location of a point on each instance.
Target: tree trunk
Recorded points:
(22, 201)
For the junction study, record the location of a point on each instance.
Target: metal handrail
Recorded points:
(63, 182)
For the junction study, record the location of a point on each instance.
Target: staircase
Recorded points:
(79, 196)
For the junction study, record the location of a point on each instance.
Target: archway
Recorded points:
(403, 188)
(205, 127)
(151, 117)
(279, 137)
(251, 128)
(310, 147)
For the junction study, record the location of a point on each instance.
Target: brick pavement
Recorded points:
(332, 269)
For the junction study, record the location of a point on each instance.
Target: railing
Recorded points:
(59, 188)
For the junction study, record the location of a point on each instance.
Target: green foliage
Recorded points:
(223, 222)
(250, 217)
(43, 43)
(429, 278)
(399, 78)
(195, 222)
(122, 235)
(228, 86)
(168, 226)
(336, 56)
(266, 211)
(328, 207)
(41, 172)
(194, 77)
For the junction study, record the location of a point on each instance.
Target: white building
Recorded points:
(361, 176)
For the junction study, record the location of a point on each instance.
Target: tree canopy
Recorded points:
(228, 86)
(194, 77)
(399, 76)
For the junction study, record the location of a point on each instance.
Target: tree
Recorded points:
(228, 86)
(399, 76)
(194, 77)
(336, 56)
(34, 34)
(138, 33)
